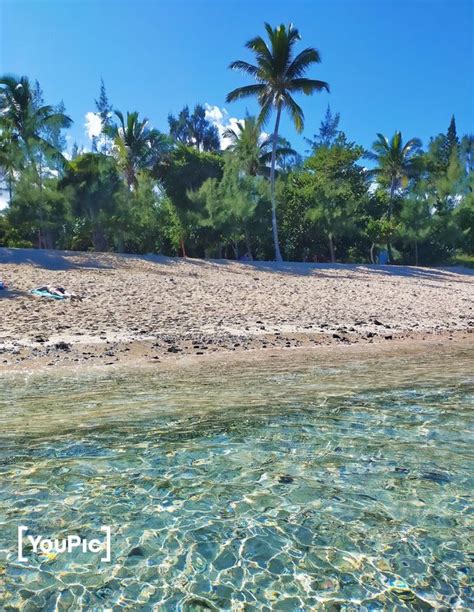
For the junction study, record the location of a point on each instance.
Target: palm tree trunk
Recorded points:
(183, 250)
(331, 249)
(372, 258)
(10, 187)
(276, 243)
(390, 213)
(247, 243)
(416, 252)
(235, 247)
(41, 233)
(390, 202)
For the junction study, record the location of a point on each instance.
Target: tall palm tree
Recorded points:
(137, 146)
(278, 74)
(254, 151)
(26, 121)
(396, 162)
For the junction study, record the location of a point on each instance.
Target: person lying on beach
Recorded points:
(54, 292)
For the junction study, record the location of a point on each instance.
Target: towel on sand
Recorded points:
(55, 293)
(47, 294)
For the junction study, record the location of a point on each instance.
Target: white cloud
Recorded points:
(220, 118)
(92, 125)
(215, 115)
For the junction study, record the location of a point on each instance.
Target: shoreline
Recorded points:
(135, 355)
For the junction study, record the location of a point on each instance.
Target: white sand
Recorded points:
(154, 305)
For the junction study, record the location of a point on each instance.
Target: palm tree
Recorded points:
(396, 162)
(278, 74)
(26, 121)
(253, 150)
(137, 146)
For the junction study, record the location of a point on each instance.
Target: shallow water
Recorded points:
(281, 485)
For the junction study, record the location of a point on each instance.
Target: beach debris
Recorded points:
(62, 346)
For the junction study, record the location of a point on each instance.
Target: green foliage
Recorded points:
(12, 236)
(251, 150)
(39, 213)
(145, 192)
(396, 162)
(96, 194)
(27, 120)
(331, 186)
(415, 221)
(226, 207)
(104, 108)
(328, 131)
(279, 73)
(137, 146)
(461, 259)
(194, 130)
(182, 171)
(464, 214)
(152, 225)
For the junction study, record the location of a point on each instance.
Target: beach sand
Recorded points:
(152, 309)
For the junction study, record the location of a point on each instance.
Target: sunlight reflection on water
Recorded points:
(277, 485)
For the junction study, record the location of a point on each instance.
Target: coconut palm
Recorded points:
(396, 162)
(27, 121)
(137, 146)
(278, 74)
(252, 148)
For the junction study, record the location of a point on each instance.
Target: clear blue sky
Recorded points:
(401, 64)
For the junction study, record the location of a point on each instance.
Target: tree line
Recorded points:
(140, 190)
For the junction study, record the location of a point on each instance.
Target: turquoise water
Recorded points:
(302, 485)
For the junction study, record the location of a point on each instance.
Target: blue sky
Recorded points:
(391, 64)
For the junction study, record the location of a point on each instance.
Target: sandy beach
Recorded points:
(152, 309)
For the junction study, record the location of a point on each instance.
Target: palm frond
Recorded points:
(412, 145)
(307, 86)
(302, 62)
(259, 46)
(245, 92)
(296, 112)
(244, 67)
(265, 111)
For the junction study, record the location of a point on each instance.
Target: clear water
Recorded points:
(315, 484)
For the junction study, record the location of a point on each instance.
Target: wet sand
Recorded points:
(158, 310)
